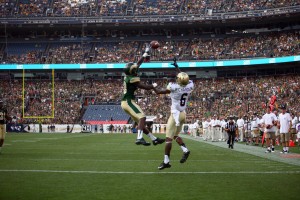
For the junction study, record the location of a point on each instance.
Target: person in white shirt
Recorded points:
(293, 131)
(179, 92)
(277, 132)
(215, 123)
(255, 133)
(270, 120)
(298, 133)
(224, 135)
(285, 124)
(205, 125)
(194, 129)
(240, 123)
(209, 132)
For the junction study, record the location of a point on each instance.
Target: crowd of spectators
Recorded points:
(114, 52)
(67, 53)
(67, 8)
(219, 96)
(265, 45)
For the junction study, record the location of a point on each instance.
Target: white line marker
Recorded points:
(158, 172)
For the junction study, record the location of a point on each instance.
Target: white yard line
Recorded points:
(158, 172)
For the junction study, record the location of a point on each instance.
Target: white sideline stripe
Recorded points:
(158, 172)
(252, 150)
(221, 161)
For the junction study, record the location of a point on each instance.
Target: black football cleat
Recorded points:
(158, 141)
(185, 157)
(142, 141)
(164, 165)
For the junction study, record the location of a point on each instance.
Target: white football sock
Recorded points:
(140, 134)
(166, 159)
(151, 136)
(184, 149)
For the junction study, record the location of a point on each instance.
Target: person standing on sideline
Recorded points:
(240, 123)
(255, 133)
(131, 84)
(224, 135)
(231, 129)
(293, 131)
(270, 120)
(3, 118)
(205, 125)
(179, 92)
(216, 129)
(195, 129)
(284, 125)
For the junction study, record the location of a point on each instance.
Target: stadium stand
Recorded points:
(105, 114)
(237, 46)
(220, 96)
(67, 8)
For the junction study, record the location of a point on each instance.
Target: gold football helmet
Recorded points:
(182, 79)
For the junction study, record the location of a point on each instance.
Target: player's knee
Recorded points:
(168, 140)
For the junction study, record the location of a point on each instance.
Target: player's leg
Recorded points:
(155, 140)
(168, 146)
(186, 151)
(136, 113)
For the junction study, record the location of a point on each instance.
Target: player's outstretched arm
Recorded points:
(146, 55)
(176, 65)
(161, 91)
(144, 86)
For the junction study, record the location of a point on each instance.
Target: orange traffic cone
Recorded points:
(292, 144)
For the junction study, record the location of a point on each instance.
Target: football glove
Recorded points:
(146, 54)
(175, 63)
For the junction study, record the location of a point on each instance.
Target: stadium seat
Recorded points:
(105, 114)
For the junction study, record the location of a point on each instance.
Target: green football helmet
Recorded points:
(131, 69)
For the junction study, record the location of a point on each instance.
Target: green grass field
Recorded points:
(111, 166)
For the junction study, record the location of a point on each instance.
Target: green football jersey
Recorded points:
(129, 87)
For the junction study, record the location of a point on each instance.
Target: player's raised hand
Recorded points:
(147, 51)
(175, 62)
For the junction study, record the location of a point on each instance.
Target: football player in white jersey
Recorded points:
(179, 92)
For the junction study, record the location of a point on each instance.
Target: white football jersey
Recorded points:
(179, 95)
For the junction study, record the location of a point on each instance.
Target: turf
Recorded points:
(111, 166)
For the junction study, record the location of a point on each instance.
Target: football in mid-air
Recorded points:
(154, 44)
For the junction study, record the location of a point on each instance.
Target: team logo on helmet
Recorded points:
(182, 79)
(131, 69)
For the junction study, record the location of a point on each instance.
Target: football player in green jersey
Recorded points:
(131, 83)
